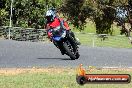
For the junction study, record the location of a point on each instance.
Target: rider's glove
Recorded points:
(49, 33)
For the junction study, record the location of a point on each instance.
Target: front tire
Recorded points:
(68, 51)
(77, 55)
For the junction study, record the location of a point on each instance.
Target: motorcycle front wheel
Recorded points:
(69, 50)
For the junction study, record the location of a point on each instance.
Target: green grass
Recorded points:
(111, 41)
(64, 79)
(91, 28)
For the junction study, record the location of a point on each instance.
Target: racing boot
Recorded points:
(77, 41)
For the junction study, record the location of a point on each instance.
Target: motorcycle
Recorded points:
(60, 37)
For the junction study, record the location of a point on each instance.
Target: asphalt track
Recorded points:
(17, 54)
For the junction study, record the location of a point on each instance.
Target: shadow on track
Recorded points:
(56, 58)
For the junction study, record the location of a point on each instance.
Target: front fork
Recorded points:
(59, 45)
(56, 44)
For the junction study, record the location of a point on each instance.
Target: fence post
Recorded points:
(10, 20)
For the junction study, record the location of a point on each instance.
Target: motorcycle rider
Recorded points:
(54, 21)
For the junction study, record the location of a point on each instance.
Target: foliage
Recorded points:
(30, 13)
(102, 12)
(75, 14)
(104, 17)
(3, 15)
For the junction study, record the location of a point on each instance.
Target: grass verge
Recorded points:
(54, 78)
(111, 41)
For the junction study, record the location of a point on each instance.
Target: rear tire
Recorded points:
(72, 56)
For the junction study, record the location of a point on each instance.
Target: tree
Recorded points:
(26, 13)
(102, 12)
(30, 13)
(2, 11)
(104, 16)
(73, 9)
(2, 4)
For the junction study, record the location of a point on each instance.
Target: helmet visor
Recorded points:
(49, 18)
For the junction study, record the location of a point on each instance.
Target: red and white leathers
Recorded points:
(55, 24)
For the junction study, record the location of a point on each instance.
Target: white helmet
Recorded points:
(50, 15)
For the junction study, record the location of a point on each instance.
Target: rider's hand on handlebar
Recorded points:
(49, 33)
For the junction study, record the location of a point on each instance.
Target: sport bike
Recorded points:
(65, 42)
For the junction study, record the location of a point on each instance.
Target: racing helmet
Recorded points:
(50, 15)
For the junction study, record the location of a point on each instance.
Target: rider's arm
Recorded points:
(66, 25)
(47, 28)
